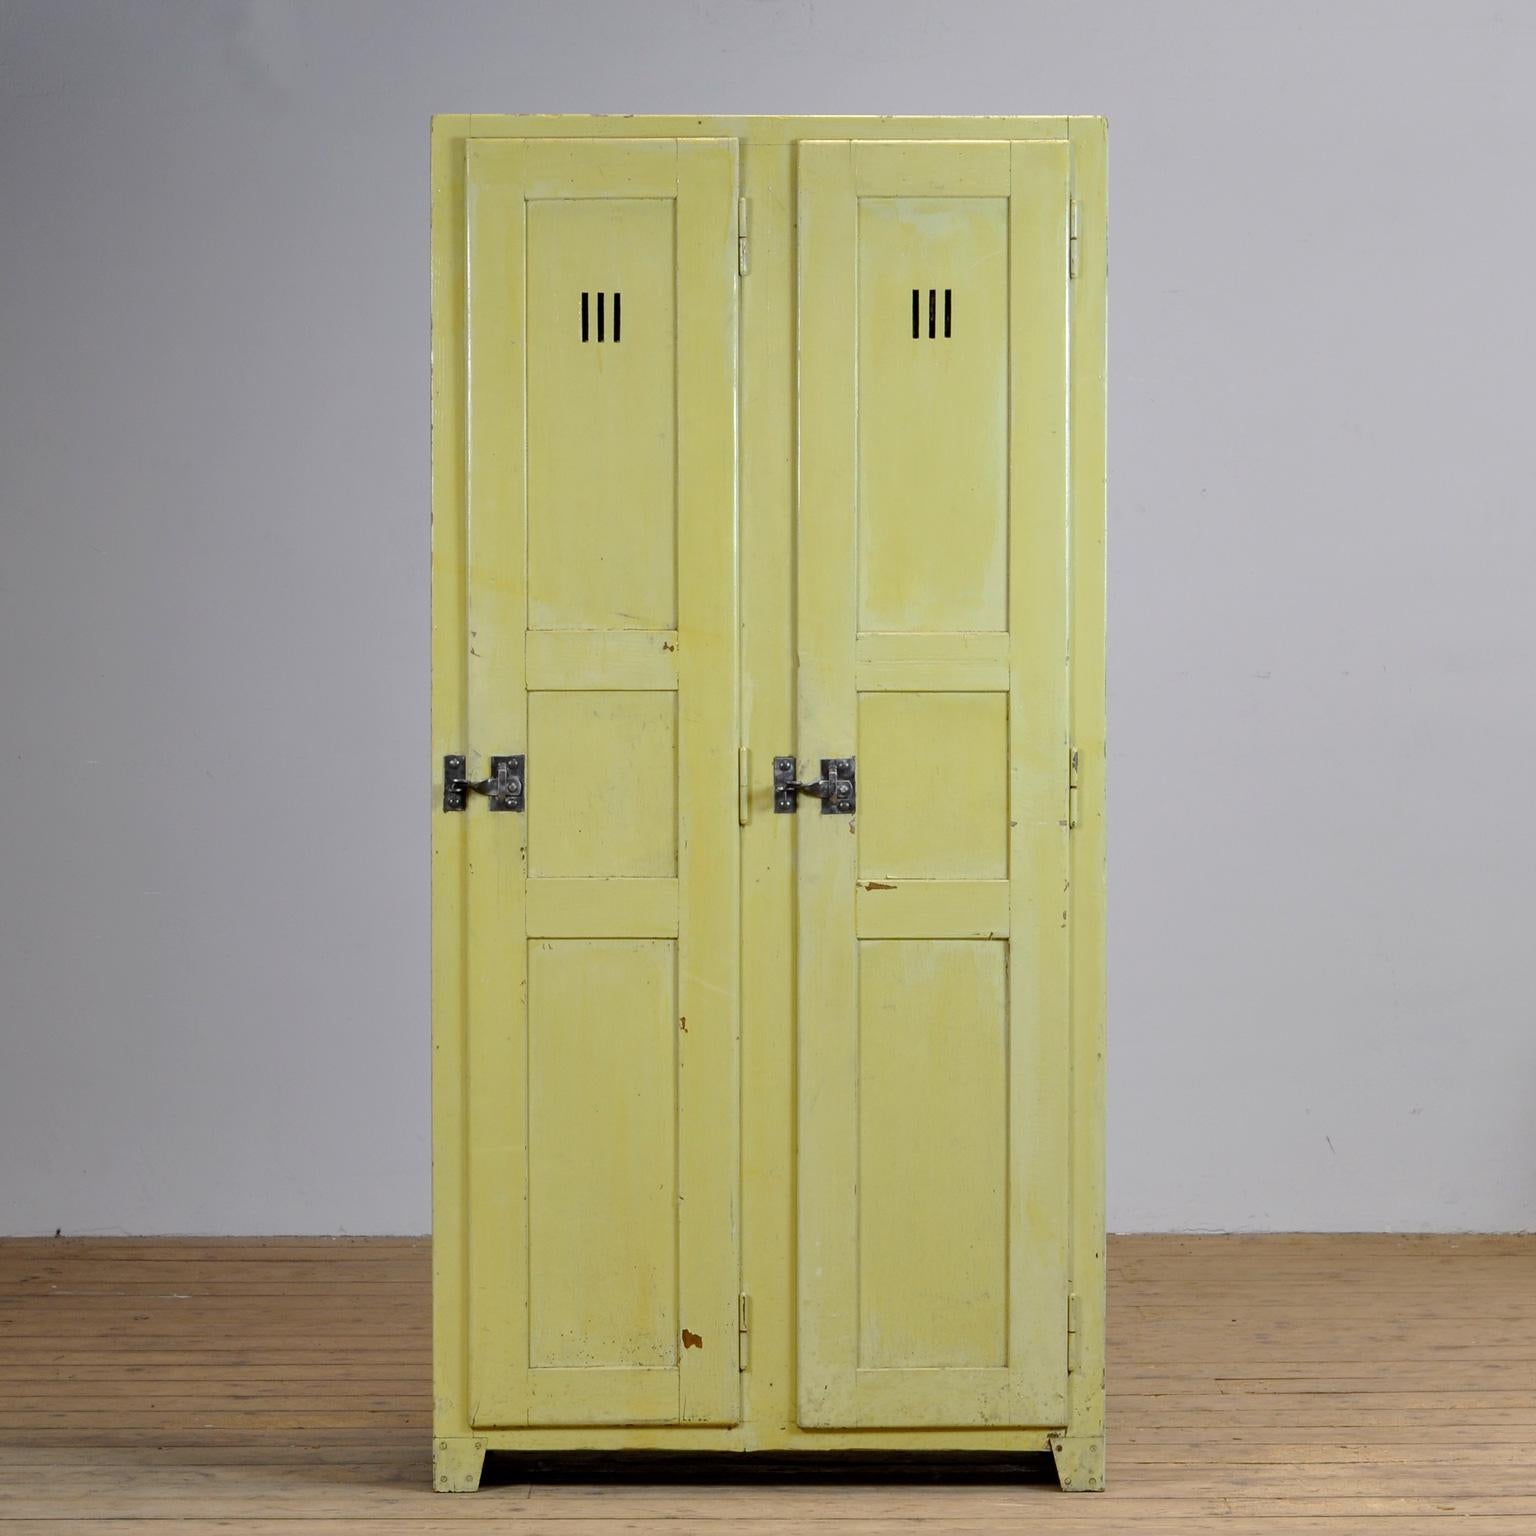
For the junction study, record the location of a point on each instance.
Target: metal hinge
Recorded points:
(1072, 788)
(743, 785)
(743, 233)
(743, 1328)
(1073, 1363)
(1072, 257)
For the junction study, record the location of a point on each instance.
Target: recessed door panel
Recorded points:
(607, 763)
(602, 954)
(932, 647)
(602, 1148)
(602, 470)
(934, 796)
(933, 1154)
(933, 413)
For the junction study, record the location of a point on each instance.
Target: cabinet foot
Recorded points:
(1079, 1462)
(457, 1463)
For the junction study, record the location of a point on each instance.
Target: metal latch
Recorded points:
(835, 788)
(504, 789)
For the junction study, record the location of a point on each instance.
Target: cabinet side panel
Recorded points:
(449, 1258)
(1088, 907)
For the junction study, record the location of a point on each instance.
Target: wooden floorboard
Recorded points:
(1270, 1385)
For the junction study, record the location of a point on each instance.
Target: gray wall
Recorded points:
(213, 580)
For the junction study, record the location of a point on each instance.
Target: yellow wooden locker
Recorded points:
(768, 1001)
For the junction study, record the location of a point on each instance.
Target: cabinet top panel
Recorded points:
(757, 130)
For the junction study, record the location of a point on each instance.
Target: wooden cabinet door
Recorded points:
(602, 944)
(932, 649)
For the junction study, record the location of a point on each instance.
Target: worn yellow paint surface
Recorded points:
(601, 954)
(932, 1119)
(931, 433)
(849, 1067)
(965, 535)
(602, 551)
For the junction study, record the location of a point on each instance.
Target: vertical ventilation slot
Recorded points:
(586, 316)
(933, 313)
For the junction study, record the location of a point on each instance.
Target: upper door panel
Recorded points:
(933, 413)
(602, 527)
